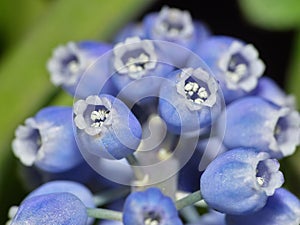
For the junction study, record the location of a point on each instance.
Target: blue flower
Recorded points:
(77, 189)
(74, 61)
(106, 127)
(150, 207)
(240, 180)
(47, 140)
(136, 63)
(283, 208)
(269, 90)
(189, 100)
(59, 186)
(258, 123)
(235, 64)
(175, 25)
(169, 24)
(55, 209)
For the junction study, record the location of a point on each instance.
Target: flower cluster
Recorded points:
(168, 118)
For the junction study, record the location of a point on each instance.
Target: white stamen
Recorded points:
(99, 117)
(199, 101)
(192, 88)
(150, 221)
(260, 180)
(173, 22)
(238, 73)
(202, 93)
(188, 86)
(137, 64)
(73, 66)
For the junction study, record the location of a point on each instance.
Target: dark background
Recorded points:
(225, 18)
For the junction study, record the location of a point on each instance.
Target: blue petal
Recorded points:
(73, 64)
(56, 209)
(44, 136)
(175, 25)
(230, 184)
(234, 63)
(281, 209)
(115, 136)
(255, 122)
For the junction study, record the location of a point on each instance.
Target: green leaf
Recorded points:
(291, 164)
(16, 16)
(272, 14)
(293, 74)
(24, 83)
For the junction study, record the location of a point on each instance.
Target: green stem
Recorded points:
(190, 214)
(134, 163)
(110, 195)
(188, 200)
(104, 214)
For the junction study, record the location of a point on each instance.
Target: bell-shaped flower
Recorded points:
(77, 62)
(258, 123)
(235, 64)
(150, 207)
(47, 140)
(55, 208)
(240, 181)
(283, 208)
(189, 100)
(106, 127)
(175, 25)
(136, 63)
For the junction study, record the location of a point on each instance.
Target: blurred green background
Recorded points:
(29, 30)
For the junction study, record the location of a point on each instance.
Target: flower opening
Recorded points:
(134, 57)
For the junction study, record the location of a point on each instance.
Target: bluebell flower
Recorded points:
(240, 181)
(258, 123)
(47, 140)
(78, 60)
(75, 188)
(235, 64)
(55, 209)
(106, 127)
(283, 208)
(150, 207)
(175, 25)
(189, 100)
(269, 90)
(136, 63)
(59, 186)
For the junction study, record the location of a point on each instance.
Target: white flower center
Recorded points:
(235, 71)
(260, 180)
(73, 66)
(173, 22)
(195, 93)
(98, 117)
(150, 221)
(137, 64)
(134, 57)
